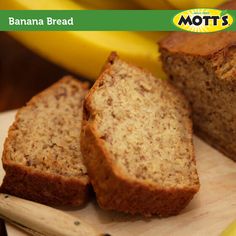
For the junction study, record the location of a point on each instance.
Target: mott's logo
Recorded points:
(203, 20)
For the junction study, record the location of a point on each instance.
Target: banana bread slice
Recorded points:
(42, 156)
(137, 142)
(203, 66)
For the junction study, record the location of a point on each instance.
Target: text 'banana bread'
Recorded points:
(137, 142)
(203, 66)
(42, 156)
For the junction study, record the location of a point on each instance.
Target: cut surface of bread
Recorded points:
(42, 156)
(137, 142)
(203, 66)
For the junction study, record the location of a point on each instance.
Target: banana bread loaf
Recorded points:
(203, 66)
(137, 142)
(42, 156)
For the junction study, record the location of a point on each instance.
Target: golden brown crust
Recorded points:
(25, 182)
(124, 195)
(228, 5)
(113, 190)
(65, 79)
(184, 54)
(215, 143)
(43, 188)
(200, 44)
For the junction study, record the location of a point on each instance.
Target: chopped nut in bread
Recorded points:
(137, 142)
(42, 156)
(203, 66)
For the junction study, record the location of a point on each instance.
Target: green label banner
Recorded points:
(194, 20)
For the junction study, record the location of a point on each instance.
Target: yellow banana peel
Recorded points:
(230, 230)
(179, 4)
(84, 52)
(186, 4)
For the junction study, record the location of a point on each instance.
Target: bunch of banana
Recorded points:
(84, 52)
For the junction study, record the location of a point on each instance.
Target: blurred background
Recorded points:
(31, 61)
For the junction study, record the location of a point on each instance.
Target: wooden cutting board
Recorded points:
(211, 210)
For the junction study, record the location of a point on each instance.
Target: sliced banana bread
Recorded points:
(203, 66)
(137, 142)
(42, 156)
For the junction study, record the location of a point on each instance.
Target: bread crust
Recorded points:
(113, 190)
(46, 188)
(43, 188)
(213, 49)
(229, 83)
(198, 44)
(215, 143)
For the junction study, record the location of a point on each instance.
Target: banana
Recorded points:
(186, 4)
(230, 230)
(84, 52)
(179, 4)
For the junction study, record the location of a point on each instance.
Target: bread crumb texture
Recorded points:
(141, 142)
(45, 135)
(208, 81)
(145, 126)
